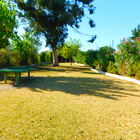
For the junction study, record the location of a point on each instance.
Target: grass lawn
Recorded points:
(70, 103)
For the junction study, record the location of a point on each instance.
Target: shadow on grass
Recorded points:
(77, 86)
(63, 68)
(106, 88)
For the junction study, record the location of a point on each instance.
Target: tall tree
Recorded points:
(127, 56)
(51, 18)
(91, 57)
(105, 55)
(136, 32)
(70, 49)
(7, 21)
(27, 46)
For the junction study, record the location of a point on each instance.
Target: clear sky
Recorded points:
(114, 20)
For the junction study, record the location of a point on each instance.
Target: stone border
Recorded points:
(114, 75)
(117, 76)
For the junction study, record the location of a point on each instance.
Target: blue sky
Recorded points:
(114, 20)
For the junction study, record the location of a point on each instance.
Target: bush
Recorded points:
(9, 58)
(4, 57)
(43, 57)
(105, 55)
(112, 68)
(90, 57)
(48, 56)
(80, 57)
(135, 71)
(14, 58)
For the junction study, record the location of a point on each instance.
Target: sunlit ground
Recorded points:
(69, 103)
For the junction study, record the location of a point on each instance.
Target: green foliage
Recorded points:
(48, 56)
(100, 59)
(136, 32)
(80, 57)
(112, 68)
(91, 57)
(27, 47)
(105, 55)
(4, 61)
(9, 58)
(45, 56)
(7, 21)
(70, 49)
(14, 58)
(127, 56)
(51, 18)
(137, 70)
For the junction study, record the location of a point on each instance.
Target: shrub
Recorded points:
(43, 57)
(90, 57)
(9, 58)
(48, 56)
(14, 58)
(80, 57)
(136, 70)
(105, 55)
(112, 68)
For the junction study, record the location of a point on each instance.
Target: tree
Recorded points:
(105, 55)
(70, 49)
(27, 46)
(80, 57)
(127, 56)
(7, 21)
(91, 57)
(51, 18)
(136, 32)
(43, 57)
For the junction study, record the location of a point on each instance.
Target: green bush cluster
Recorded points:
(45, 56)
(125, 61)
(127, 58)
(13, 58)
(99, 59)
(9, 58)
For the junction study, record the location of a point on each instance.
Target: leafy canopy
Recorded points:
(105, 54)
(52, 17)
(7, 21)
(27, 46)
(136, 32)
(70, 49)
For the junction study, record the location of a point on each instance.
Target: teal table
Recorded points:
(17, 71)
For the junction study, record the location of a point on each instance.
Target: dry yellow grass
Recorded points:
(70, 103)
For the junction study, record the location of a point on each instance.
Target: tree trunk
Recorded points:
(55, 56)
(70, 61)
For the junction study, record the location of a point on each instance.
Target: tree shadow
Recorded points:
(77, 86)
(63, 68)
(105, 88)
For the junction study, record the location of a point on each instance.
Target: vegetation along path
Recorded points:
(70, 103)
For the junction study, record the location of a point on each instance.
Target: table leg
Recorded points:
(28, 74)
(17, 78)
(5, 77)
(19, 75)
